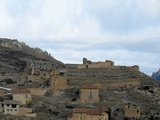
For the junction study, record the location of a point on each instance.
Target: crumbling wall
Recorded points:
(132, 112)
(123, 83)
(37, 91)
(34, 77)
(58, 82)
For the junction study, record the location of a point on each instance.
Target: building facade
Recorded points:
(21, 95)
(89, 94)
(89, 114)
(11, 107)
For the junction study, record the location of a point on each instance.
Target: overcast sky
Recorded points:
(124, 31)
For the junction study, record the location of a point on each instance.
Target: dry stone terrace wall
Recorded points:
(107, 76)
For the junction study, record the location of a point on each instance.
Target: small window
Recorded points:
(7, 105)
(11, 109)
(15, 109)
(90, 95)
(26, 96)
(7, 109)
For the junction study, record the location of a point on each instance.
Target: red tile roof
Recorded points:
(94, 112)
(20, 91)
(79, 110)
(89, 87)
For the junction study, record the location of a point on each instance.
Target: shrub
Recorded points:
(29, 103)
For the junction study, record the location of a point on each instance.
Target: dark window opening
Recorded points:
(90, 95)
(13, 106)
(69, 107)
(74, 99)
(77, 92)
(26, 96)
(61, 73)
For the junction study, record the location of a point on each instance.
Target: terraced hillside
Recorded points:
(119, 88)
(106, 76)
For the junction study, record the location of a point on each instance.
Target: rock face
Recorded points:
(18, 46)
(156, 75)
(15, 56)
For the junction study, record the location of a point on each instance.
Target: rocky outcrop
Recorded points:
(14, 44)
(16, 56)
(156, 75)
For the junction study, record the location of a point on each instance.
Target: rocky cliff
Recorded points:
(15, 56)
(156, 75)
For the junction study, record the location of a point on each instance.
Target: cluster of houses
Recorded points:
(20, 98)
(56, 80)
(90, 94)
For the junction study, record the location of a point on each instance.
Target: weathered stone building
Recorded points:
(21, 95)
(89, 114)
(11, 107)
(89, 94)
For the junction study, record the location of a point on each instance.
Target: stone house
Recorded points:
(89, 114)
(11, 107)
(89, 94)
(22, 95)
(132, 111)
